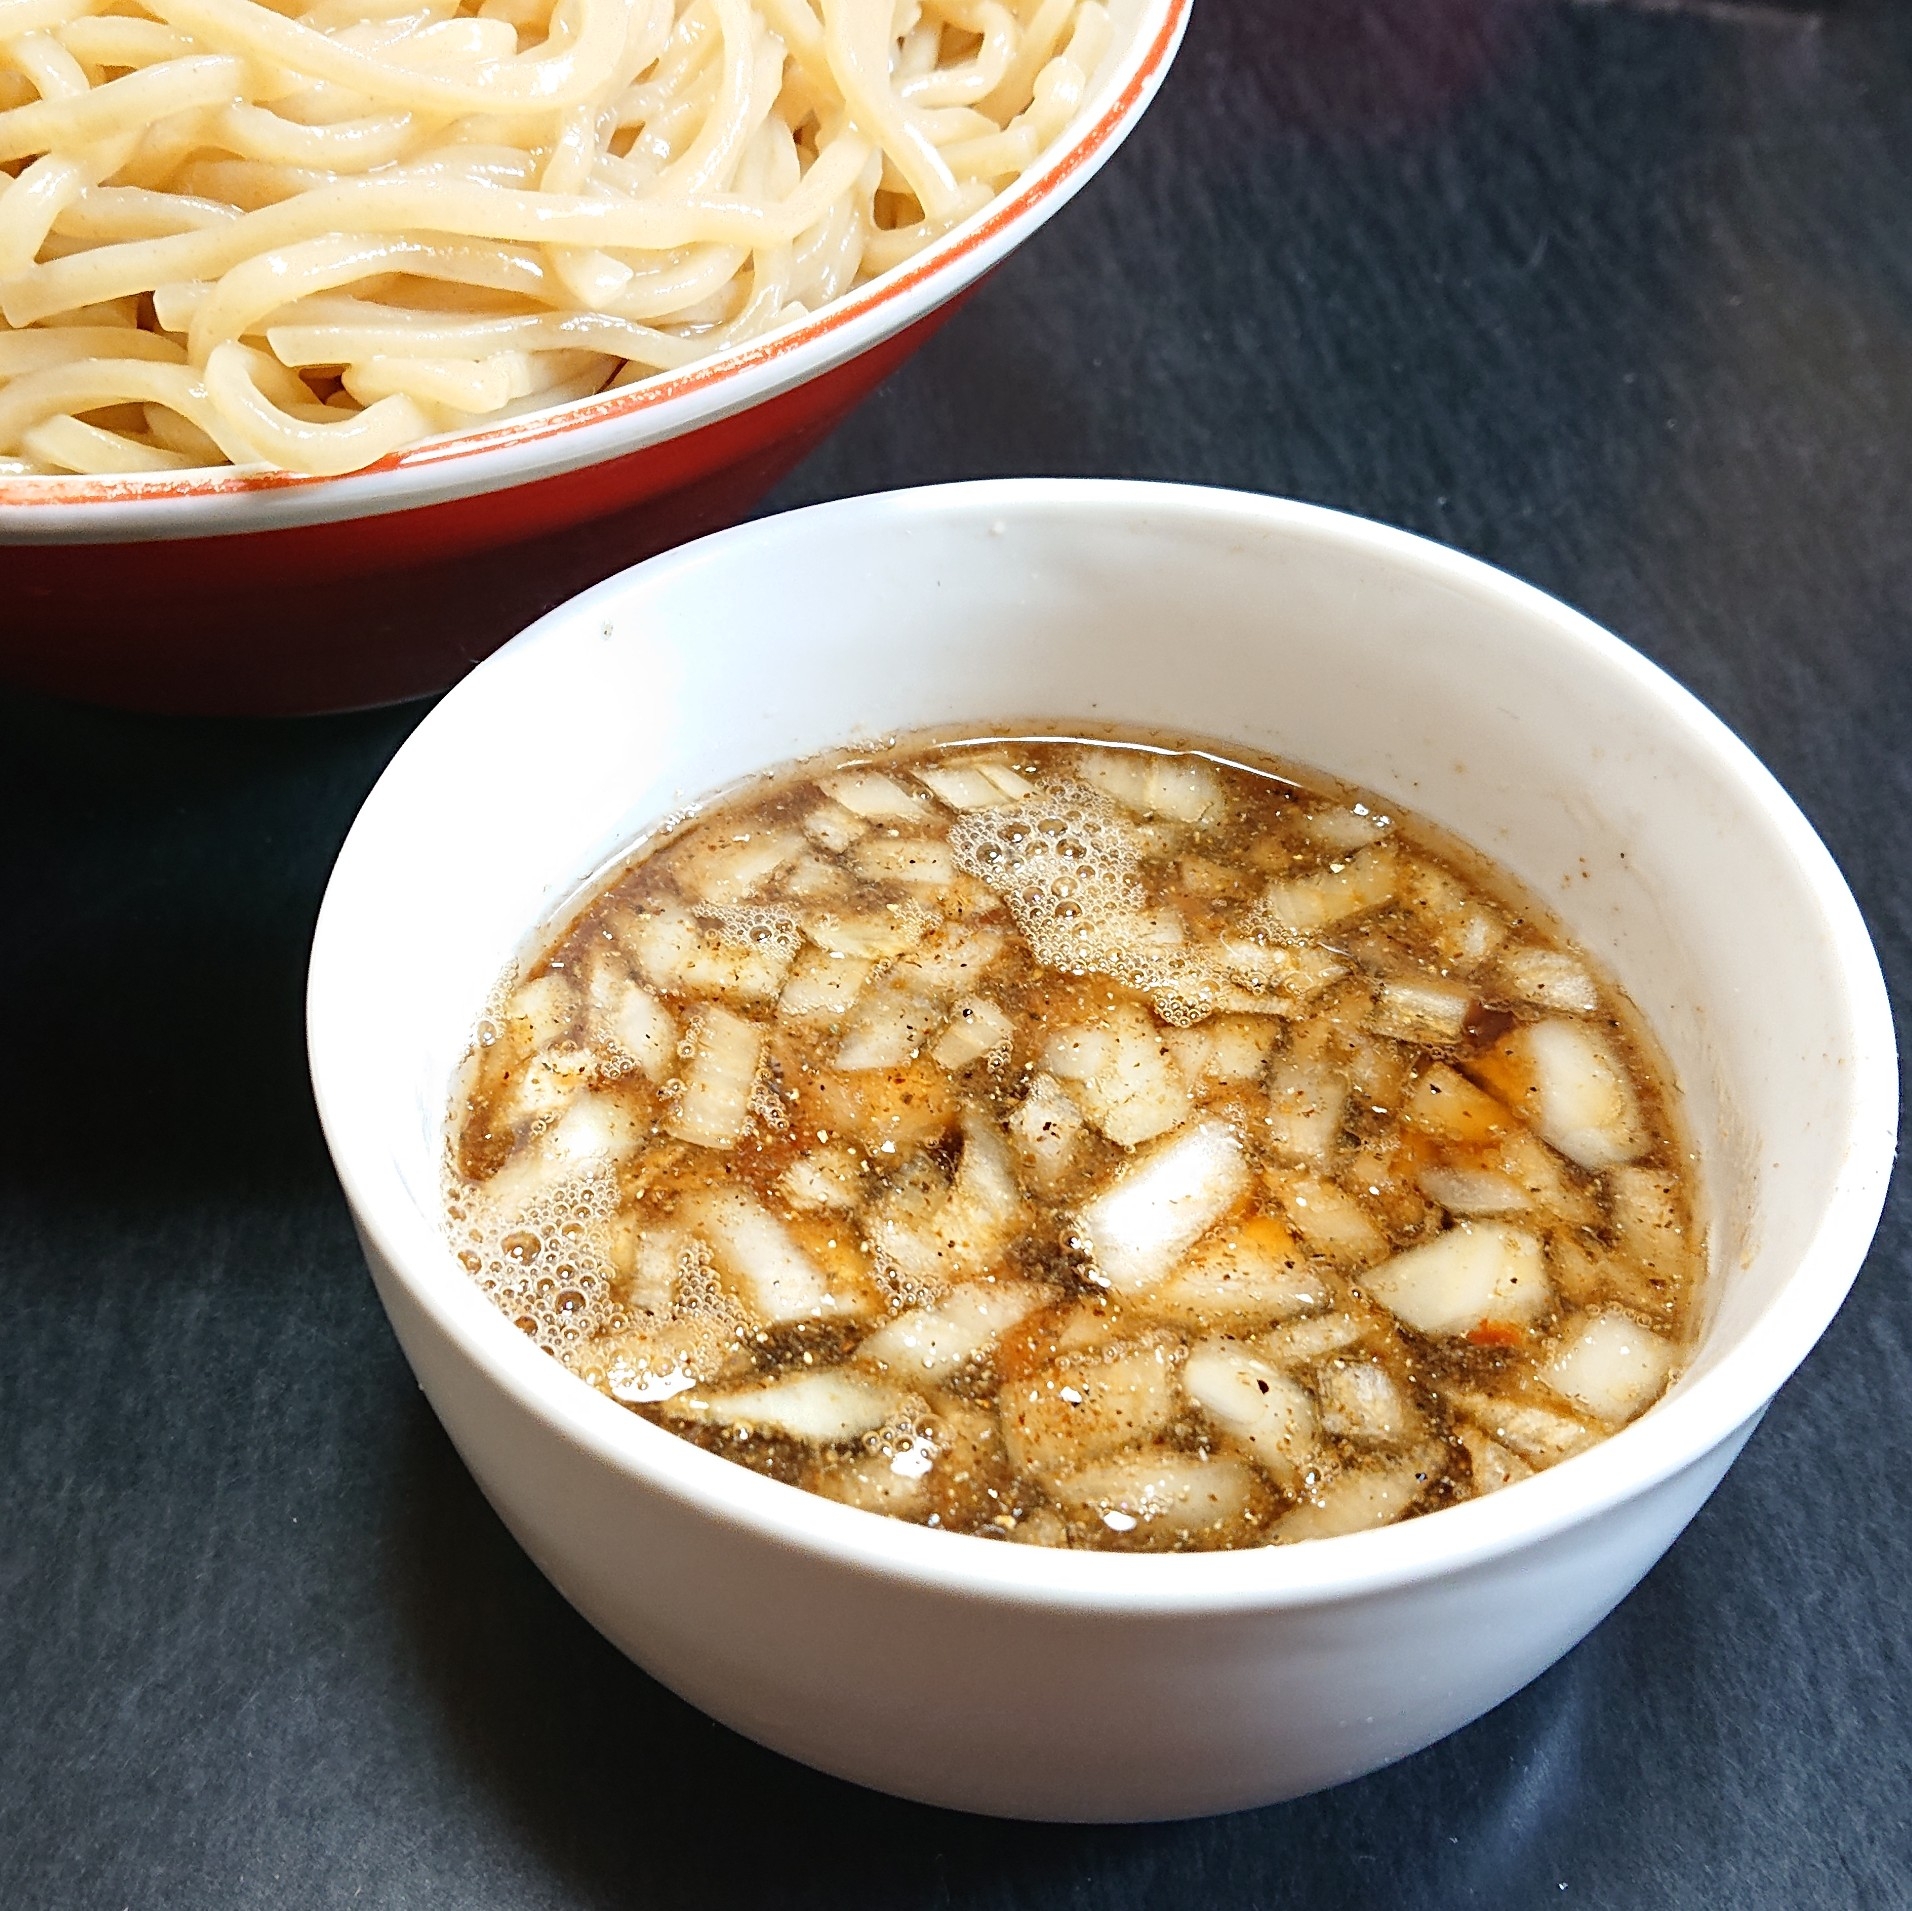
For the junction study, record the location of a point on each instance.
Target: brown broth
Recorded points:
(1083, 1142)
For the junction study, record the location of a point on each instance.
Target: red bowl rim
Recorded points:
(223, 499)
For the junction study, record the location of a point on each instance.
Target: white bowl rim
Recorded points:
(222, 500)
(1675, 1435)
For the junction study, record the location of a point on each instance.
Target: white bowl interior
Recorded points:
(1447, 687)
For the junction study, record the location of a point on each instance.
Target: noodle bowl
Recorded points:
(310, 237)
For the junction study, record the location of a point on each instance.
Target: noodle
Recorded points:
(308, 235)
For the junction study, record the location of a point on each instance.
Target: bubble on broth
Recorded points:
(546, 1260)
(754, 925)
(1064, 860)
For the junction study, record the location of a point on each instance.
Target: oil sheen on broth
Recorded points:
(1097, 1144)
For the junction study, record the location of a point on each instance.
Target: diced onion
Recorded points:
(823, 1407)
(721, 1077)
(1264, 1408)
(1054, 1420)
(1138, 1228)
(1305, 905)
(1046, 1130)
(1354, 1502)
(1305, 1105)
(758, 1256)
(935, 1341)
(1476, 1271)
(876, 797)
(1609, 1365)
(977, 1028)
(1160, 1491)
(1329, 1218)
(1125, 1074)
(974, 786)
(1361, 1401)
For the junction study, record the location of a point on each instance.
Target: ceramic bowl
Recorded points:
(1014, 1679)
(252, 592)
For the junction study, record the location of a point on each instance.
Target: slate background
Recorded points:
(1616, 295)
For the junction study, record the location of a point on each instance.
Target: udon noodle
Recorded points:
(309, 233)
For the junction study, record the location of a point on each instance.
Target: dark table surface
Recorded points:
(1616, 295)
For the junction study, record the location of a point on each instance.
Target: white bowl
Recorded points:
(1012, 1679)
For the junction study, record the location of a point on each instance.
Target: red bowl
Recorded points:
(246, 592)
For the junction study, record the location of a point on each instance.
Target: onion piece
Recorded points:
(547, 1083)
(1494, 1465)
(1476, 1271)
(721, 867)
(1421, 1008)
(1532, 1166)
(873, 1482)
(1124, 1076)
(825, 1180)
(1464, 934)
(1473, 1191)
(1343, 827)
(682, 954)
(1298, 1343)
(1046, 1130)
(935, 1236)
(1444, 1102)
(890, 1111)
(876, 797)
(1354, 1501)
(1609, 1365)
(649, 1257)
(1306, 1101)
(886, 1029)
(1225, 1048)
(1535, 1433)
(726, 1051)
(1647, 1218)
(832, 828)
(1160, 1492)
(977, 1028)
(1306, 905)
(822, 987)
(1256, 1272)
(759, 1259)
(823, 1408)
(1268, 1411)
(968, 1320)
(1548, 978)
(595, 1129)
(813, 880)
(948, 963)
(1570, 1084)
(918, 862)
(1161, 1205)
(1183, 789)
(634, 1025)
(1056, 1419)
(1361, 1401)
(1328, 1218)
(1288, 973)
(541, 1012)
(877, 934)
(972, 785)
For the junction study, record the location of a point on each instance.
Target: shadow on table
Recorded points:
(169, 871)
(631, 1796)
